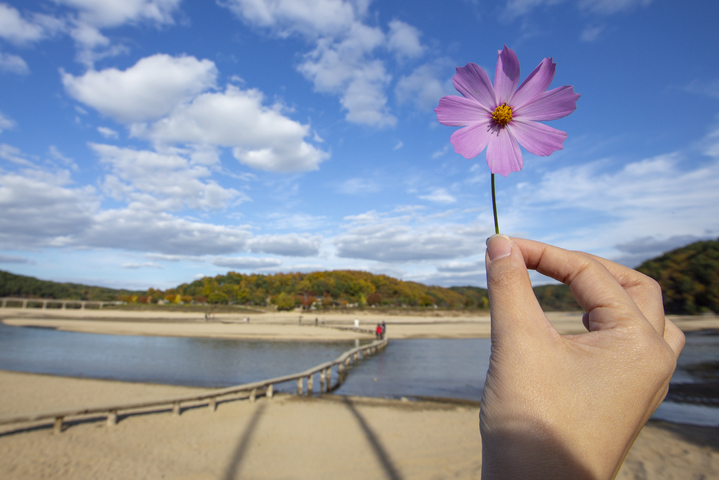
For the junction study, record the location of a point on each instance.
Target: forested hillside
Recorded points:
(337, 288)
(12, 285)
(689, 277)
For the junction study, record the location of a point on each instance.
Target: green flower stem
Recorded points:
(494, 205)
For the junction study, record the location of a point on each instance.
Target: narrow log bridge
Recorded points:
(248, 390)
(44, 303)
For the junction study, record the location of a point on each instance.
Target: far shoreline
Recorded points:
(292, 326)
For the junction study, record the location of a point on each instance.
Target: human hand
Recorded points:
(570, 406)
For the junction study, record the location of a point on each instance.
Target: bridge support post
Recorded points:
(270, 392)
(112, 418)
(299, 386)
(57, 427)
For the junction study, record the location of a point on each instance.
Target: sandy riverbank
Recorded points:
(287, 437)
(286, 326)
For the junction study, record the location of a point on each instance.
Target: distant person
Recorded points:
(316, 321)
(384, 328)
(570, 407)
(356, 324)
(378, 331)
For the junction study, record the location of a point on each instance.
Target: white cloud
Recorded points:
(13, 64)
(311, 18)
(398, 145)
(515, 8)
(710, 88)
(591, 33)
(15, 155)
(607, 7)
(107, 132)
(161, 182)
(15, 259)
(5, 123)
(40, 210)
(146, 91)
(439, 195)
(262, 137)
(656, 198)
(246, 263)
(297, 221)
(173, 258)
(342, 62)
(422, 87)
(56, 154)
(462, 267)
(355, 186)
(403, 40)
(16, 29)
(112, 13)
(346, 68)
(442, 152)
(140, 230)
(291, 245)
(91, 16)
(636, 250)
(398, 239)
(142, 265)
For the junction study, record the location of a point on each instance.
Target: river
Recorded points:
(415, 369)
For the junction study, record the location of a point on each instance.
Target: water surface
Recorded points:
(199, 362)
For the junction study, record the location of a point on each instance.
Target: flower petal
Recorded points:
(535, 84)
(551, 105)
(473, 82)
(506, 77)
(537, 138)
(455, 111)
(470, 141)
(503, 153)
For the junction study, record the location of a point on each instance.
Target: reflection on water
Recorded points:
(200, 362)
(450, 368)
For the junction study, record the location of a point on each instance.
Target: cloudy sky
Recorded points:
(149, 142)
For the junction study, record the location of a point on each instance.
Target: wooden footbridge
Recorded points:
(248, 390)
(45, 303)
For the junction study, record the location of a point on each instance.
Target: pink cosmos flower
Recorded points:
(504, 117)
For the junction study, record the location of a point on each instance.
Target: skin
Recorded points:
(570, 406)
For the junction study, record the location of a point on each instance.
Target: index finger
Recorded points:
(643, 290)
(599, 293)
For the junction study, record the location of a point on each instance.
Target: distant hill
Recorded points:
(328, 289)
(689, 277)
(12, 285)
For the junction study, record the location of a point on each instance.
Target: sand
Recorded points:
(286, 326)
(287, 437)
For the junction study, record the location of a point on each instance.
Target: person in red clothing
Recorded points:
(378, 331)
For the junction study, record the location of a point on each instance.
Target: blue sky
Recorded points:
(150, 142)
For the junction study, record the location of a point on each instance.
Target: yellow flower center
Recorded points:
(502, 114)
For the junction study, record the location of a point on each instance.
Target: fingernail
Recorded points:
(498, 246)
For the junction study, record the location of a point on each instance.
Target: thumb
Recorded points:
(515, 312)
